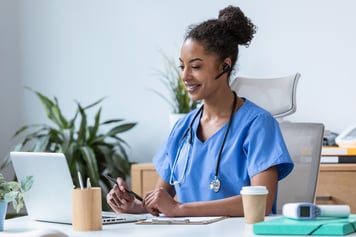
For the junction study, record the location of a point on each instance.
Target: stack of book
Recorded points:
(335, 154)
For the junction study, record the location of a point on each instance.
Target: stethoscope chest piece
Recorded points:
(215, 184)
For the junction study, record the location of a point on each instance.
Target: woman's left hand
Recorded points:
(160, 201)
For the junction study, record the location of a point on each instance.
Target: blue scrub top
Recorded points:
(254, 144)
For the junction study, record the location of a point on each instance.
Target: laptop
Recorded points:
(50, 198)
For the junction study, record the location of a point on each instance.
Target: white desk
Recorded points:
(228, 227)
(233, 227)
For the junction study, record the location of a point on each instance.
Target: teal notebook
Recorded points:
(319, 226)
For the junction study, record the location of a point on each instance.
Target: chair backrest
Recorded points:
(276, 95)
(304, 143)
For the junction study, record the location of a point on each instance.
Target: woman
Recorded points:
(215, 150)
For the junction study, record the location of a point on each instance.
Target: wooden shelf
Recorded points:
(338, 167)
(143, 178)
(335, 183)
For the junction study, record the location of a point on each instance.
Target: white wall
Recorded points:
(84, 50)
(316, 38)
(10, 101)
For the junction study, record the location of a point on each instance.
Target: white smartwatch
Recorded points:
(309, 211)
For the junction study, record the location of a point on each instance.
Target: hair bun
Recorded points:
(238, 24)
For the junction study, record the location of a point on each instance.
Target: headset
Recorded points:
(226, 69)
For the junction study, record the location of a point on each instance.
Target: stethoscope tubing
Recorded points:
(189, 132)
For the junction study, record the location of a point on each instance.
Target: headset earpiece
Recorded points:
(226, 69)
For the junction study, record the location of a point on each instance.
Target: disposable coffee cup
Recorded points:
(254, 203)
(86, 209)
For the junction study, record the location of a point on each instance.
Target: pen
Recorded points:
(88, 183)
(113, 181)
(80, 180)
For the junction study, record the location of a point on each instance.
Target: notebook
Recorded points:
(50, 198)
(321, 226)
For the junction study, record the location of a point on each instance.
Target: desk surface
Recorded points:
(229, 227)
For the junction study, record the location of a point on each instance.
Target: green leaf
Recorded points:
(11, 196)
(41, 144)
(94, 104)
(94, 129)
(22, 129)
(18, 205)
(107, 155)
(120, 129)
(67, 138)
(112, 121)
(27, 183)
(52, 110)
(5, 162)
(90, 159)
(12, 185)
(15, 205)
(62, 122)
(83, 124)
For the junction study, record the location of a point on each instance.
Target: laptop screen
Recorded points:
(49, 199)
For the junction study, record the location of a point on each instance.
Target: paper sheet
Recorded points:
(163, 220)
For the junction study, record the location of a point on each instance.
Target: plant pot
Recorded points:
(3, 209)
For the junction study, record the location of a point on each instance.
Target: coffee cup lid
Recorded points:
(254, 190)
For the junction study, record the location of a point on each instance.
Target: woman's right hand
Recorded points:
(122, 201)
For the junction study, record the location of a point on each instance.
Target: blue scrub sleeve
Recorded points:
(161, 163)
(266, 148)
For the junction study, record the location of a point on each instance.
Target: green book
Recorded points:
(319, 226)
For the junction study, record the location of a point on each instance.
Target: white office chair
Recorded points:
(303, 140)
(277, 95)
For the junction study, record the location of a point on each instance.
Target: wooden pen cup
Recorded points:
(86, 209)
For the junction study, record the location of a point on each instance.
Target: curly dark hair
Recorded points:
(222, 36)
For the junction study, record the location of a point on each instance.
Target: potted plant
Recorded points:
(178, 99)
(92, 149)
(12, 192)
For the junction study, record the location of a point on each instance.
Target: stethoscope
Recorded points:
(185, 148)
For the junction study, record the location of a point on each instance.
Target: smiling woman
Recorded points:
(218, 148)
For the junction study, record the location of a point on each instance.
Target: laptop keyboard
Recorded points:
(113, 220)
(109, 218)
